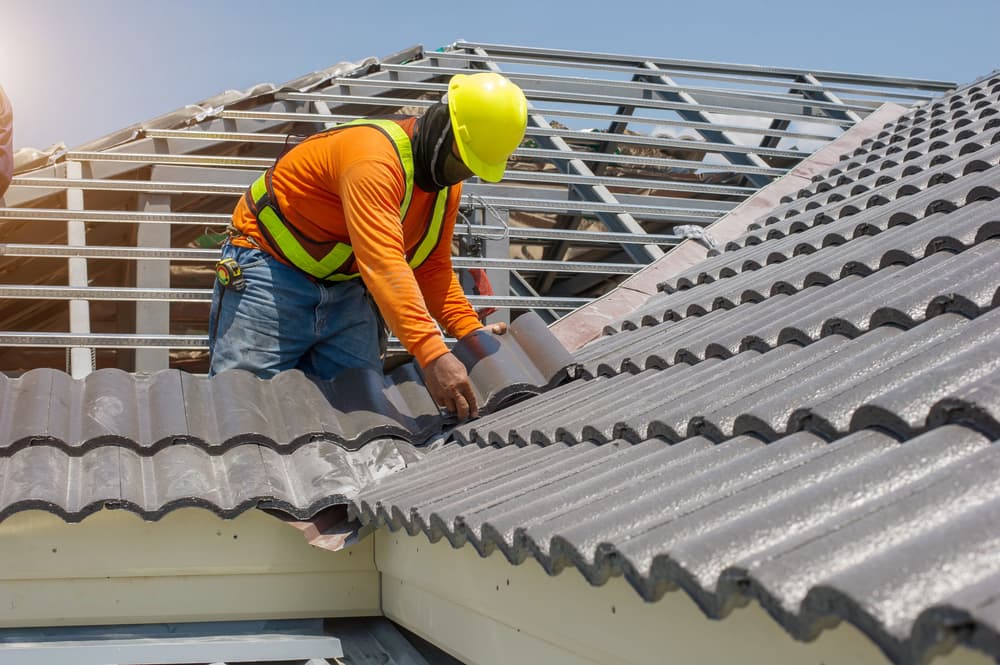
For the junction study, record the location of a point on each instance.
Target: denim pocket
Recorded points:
(247, 257)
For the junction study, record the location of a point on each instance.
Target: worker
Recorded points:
(364, 212)
(6, 142)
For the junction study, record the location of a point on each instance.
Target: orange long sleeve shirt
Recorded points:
(347, 187)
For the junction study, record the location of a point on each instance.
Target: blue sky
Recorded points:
(76, 70)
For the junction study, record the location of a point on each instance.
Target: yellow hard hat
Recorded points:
(488, 117)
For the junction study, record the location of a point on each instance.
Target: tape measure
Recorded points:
(230, 275)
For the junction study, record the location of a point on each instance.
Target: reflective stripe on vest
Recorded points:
(283, 236)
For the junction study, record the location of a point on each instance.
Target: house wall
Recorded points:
(193, 566)
(485, 611)
(190, 566)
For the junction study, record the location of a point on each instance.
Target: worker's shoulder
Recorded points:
(361, 142)
(368, 131)
(375, 135)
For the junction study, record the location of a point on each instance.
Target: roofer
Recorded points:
(6, 142)
(363, 211)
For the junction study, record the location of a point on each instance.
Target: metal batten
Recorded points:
(633, 160)
(105, 341)
(640, 102)
(521, 78)
(653, 141)
(217, 219)
(509, 176)
(637, 183)
(547, 266)
(560, 206)
(284, 116)
(89, 293)
(131, 185)
(122, 341)
(264, 163)
(189, 160)
(247, 137)
(557, 113)
(203, 255)
(531, 131)
(625, 69)
(708, 66)
(109, 252)
(530, 205)
(114, 216)
(525, 233)
(103, 293)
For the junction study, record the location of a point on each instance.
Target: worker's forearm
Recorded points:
(398, 297)
(446, 301)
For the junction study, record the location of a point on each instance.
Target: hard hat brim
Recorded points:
(485, 171)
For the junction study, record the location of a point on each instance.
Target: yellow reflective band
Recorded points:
(259, 188)
(433, 234)
(296, 253)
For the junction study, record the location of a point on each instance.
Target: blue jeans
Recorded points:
(284, 320)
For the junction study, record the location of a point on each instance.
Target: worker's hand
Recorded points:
(496, 328)
(448, 383)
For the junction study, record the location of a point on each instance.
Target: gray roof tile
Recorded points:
(979, 222)
(908, 176)
(151, 412)
(901, 295)
(734, 520)
(804, 420)
(316, 475)
(151, 443)
(938, 197)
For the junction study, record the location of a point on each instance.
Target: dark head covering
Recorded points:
(432, 141)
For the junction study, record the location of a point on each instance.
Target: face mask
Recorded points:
(454, 170)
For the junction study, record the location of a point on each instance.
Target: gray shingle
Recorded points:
(900, 295)
(316, 475)
(910, 175)
(939, 196)
(731, 521)
(147, 413)
(965, 227)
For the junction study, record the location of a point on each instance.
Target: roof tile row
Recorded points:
(805, 419)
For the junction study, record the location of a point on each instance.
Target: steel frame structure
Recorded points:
(624, 157)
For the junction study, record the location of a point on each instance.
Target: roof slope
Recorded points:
(804, 419)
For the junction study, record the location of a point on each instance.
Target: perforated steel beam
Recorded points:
(45, 292)
(152, 318)
(620, 222)
(554, 58)
(759, 179)
(702, 65)
(205, 255)
(839, 110)
(80, 359)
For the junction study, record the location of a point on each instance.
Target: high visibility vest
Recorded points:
(325, 260)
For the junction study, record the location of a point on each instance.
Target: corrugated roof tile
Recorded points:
(810, 416)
